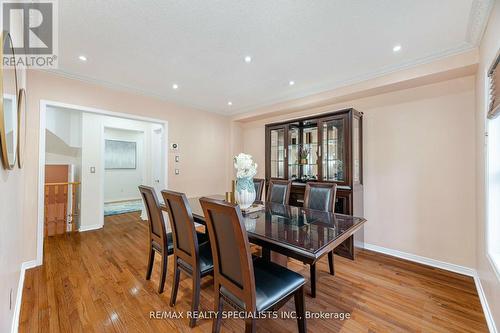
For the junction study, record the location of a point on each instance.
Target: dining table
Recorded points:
(285, 231)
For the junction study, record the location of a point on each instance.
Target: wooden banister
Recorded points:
(64, 186)
(58, 184)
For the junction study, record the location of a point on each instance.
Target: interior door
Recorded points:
(56, 199)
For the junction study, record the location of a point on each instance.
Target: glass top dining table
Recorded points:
(300, 233)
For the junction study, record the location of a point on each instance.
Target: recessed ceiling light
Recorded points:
(248, 59)
(229, 103)
(175, 86)
(291, 83)
(396, 48)
(82, 58)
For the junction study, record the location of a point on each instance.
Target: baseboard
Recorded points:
(90, 227)
(19, 297)
(122, 200)
(423, 260)
(484, 303)
(446, 266)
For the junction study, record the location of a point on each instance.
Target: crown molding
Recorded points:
(128, 89)
(478, 19)
(463, 49)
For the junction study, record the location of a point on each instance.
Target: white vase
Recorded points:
(245, 192)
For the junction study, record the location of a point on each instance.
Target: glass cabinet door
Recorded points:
(293, 152)
(308, 154)
(277, 157)
(356, 150)
(333, 150)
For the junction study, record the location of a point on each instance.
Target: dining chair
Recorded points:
(278, 191)
(246, 285)
(192, 252)
(320, 196)
(159, 239)
(258, 183)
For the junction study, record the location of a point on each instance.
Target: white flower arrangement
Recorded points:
(245, 166)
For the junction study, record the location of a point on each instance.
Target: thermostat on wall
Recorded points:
(174, 146)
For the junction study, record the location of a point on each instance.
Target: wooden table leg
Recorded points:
(266, 254)
(312, 269)
(330, 263)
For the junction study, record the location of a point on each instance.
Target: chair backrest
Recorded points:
(320, 196)
(233, 266)
(157, 230)
(258, 183)
(278, 191)
(183, 228)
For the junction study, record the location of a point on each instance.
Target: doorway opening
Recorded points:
(133, 156)
(91, 165)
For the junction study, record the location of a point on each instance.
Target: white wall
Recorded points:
(13, 186)
(490, 279)
(58, 151)
(93, 129)
(11, 241)
(66, 124)
(121, 184)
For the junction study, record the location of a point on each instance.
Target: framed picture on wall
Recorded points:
(120, 154)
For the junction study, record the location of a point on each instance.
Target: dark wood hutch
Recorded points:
(325, 147)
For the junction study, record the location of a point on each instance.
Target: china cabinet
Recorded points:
(325, 147)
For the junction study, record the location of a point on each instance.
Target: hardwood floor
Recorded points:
(94, 282)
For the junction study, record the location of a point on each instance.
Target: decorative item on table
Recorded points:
(246, 169)
(256, 207)
(230, 195)
(303, 154)
(250, 223)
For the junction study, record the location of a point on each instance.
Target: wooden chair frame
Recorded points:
(246, 292)
(157, 243)
(274, 181)
(261, 181)
(192, 258)
(331, 209)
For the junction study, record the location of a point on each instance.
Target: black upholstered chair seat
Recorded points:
(202, 238)
(206, 262)
(170, 246)
(272, 283)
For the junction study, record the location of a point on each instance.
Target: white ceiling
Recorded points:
(148, 45)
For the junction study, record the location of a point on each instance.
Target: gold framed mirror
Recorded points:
(8, 104)
(21, 132)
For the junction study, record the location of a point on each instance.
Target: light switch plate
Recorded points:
(177, 158)
(92, 169)
(177, 171)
